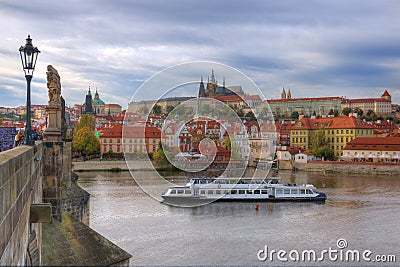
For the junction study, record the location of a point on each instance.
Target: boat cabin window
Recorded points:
(218, 192)
(293, 191)
(242, 192)
(203, 192)
(188, 192)
(308, 191)
(264, 191)
(249, 192)
(257, 192)
(234, 192)
(302, 191)
(173, 191)
(287, 191)
(180, 192)
(278, 191)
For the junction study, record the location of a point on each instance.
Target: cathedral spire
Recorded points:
(212, 76)
(289, 95)
(89, 93)
(283, 94)
(202, 90)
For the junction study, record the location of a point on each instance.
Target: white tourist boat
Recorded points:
(206, 190)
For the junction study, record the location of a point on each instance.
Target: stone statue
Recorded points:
(53, 131)
(54, 86)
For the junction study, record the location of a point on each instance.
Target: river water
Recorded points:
(363, 210)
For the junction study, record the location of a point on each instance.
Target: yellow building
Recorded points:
(338, 131)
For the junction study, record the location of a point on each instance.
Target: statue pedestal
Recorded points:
(53, 131)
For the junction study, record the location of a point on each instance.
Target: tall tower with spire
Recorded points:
(283, 94)
(202, 90)
(88, 109)
(211, 85)
(289, 95)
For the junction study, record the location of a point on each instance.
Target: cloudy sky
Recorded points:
(315, 48)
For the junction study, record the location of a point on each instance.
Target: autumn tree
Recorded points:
(317, 139)
(86, 120)
(86, 142)
(160, 159)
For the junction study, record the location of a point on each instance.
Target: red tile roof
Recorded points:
(364, 100)
(374, 143)
(305, 99)
(331, 123)
(386, 93)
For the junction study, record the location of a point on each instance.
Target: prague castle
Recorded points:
(323, 105)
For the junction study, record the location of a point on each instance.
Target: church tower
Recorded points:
(202, 90)
(283, 94)
(211, 85)
(88, 103)
(289, 95)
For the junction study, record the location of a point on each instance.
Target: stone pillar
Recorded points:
(53, 131)
(53, 154)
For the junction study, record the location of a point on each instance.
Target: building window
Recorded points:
(110, 141)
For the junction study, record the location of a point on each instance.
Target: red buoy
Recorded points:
(257, 206)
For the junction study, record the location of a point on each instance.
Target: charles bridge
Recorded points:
(44, 214)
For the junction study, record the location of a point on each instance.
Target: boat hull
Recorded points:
(191, 201)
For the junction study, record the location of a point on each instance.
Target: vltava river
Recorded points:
(363, 210)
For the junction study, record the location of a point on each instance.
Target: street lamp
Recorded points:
(28, 55)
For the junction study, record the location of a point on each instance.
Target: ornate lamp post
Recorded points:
(28, 55)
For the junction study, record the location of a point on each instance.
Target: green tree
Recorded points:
(295, 115)
(346, 111)
(240, 113)
(336, 113)
(359, 111)
(331, 112)
(250, 116)
(169, 109)
(324, 151)
(86, 120)
(317, 139)
(156, 110)
(86, 142)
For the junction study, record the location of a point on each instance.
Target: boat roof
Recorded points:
(234, 179)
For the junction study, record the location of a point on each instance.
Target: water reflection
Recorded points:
(362, 209)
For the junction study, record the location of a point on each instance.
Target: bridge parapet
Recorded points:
(20, 186)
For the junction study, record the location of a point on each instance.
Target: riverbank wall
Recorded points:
(111, 165)
(312, 166)
(373, 168)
